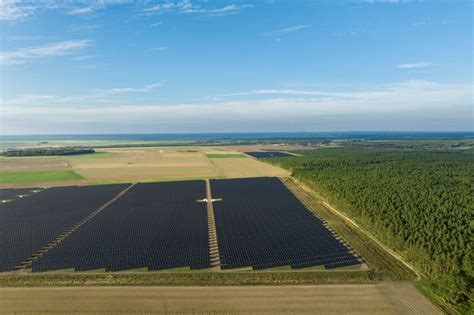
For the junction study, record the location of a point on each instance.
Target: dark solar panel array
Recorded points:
(13, 193)
(156, 225)
(268, 154)
(260, 223)
(28, 224)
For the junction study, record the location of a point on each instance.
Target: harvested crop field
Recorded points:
(32, 164)
(247, 167)
(121, 165)
(333, 299)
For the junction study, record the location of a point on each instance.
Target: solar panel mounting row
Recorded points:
(260, 223)
(28, 224)
(156, 226)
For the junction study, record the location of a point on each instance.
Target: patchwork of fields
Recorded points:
(163, 226)
(124, 165)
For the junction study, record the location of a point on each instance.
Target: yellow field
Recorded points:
(142, 165)
(32, 164)
(318, 299)
(247, 167)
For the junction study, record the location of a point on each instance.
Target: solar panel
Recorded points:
(13, 193)
(260, 223)
(268, 154)
(156, 226)
(28, 224)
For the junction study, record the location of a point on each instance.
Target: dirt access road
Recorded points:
(385, 298)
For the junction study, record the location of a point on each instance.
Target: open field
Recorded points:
(29, 177)
(121, 165)
(33, 164)
(113, 165)
(247, 167)
(334, 299)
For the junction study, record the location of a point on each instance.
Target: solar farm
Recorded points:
(198, 225)
(268, 154)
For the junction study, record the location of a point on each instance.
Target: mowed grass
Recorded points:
(34, 177)
(225, 156)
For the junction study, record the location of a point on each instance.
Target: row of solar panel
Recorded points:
(161, 226)
(260, 223)
(268, 154)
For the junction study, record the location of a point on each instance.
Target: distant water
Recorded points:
(244, 136)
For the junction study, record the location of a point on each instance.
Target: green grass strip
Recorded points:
(31, 177)
(225, 156)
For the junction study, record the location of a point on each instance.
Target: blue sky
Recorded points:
(235, 66)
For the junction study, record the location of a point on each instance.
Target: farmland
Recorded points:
(124, 165)
(151, 229)
(371, 299)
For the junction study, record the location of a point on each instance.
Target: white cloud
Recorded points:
(186, 7)
(156, 24)
(389, 1)
(285, 30)
(158, 49)
(414, 65)
(83, 57)
(22, 55)
(79, 11)
(17, 10)
(146, 88)
(170, 6)
(83, 27)
(385, 106)
(13, 10)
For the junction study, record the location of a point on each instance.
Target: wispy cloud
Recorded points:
(17, 10)
(27, 38)
(187, 7)
(285, 30)
(158, 49)
(388, 1)
(97, 96)
(226, 10)
(378, 107)
(79, 11)
(22, 55)
(83, 27)
(124, 90)
(156, 24)
(414, 65)
(277, 92)
(14, 10)
(83, 57)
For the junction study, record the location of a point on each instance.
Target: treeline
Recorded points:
(419, 203)
(46, 152)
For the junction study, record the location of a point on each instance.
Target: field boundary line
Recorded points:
(29, 261)
(366, 233)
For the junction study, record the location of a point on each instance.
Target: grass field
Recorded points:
(334, 299)
(34, 177)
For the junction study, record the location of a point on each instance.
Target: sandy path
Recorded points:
(321, 299)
